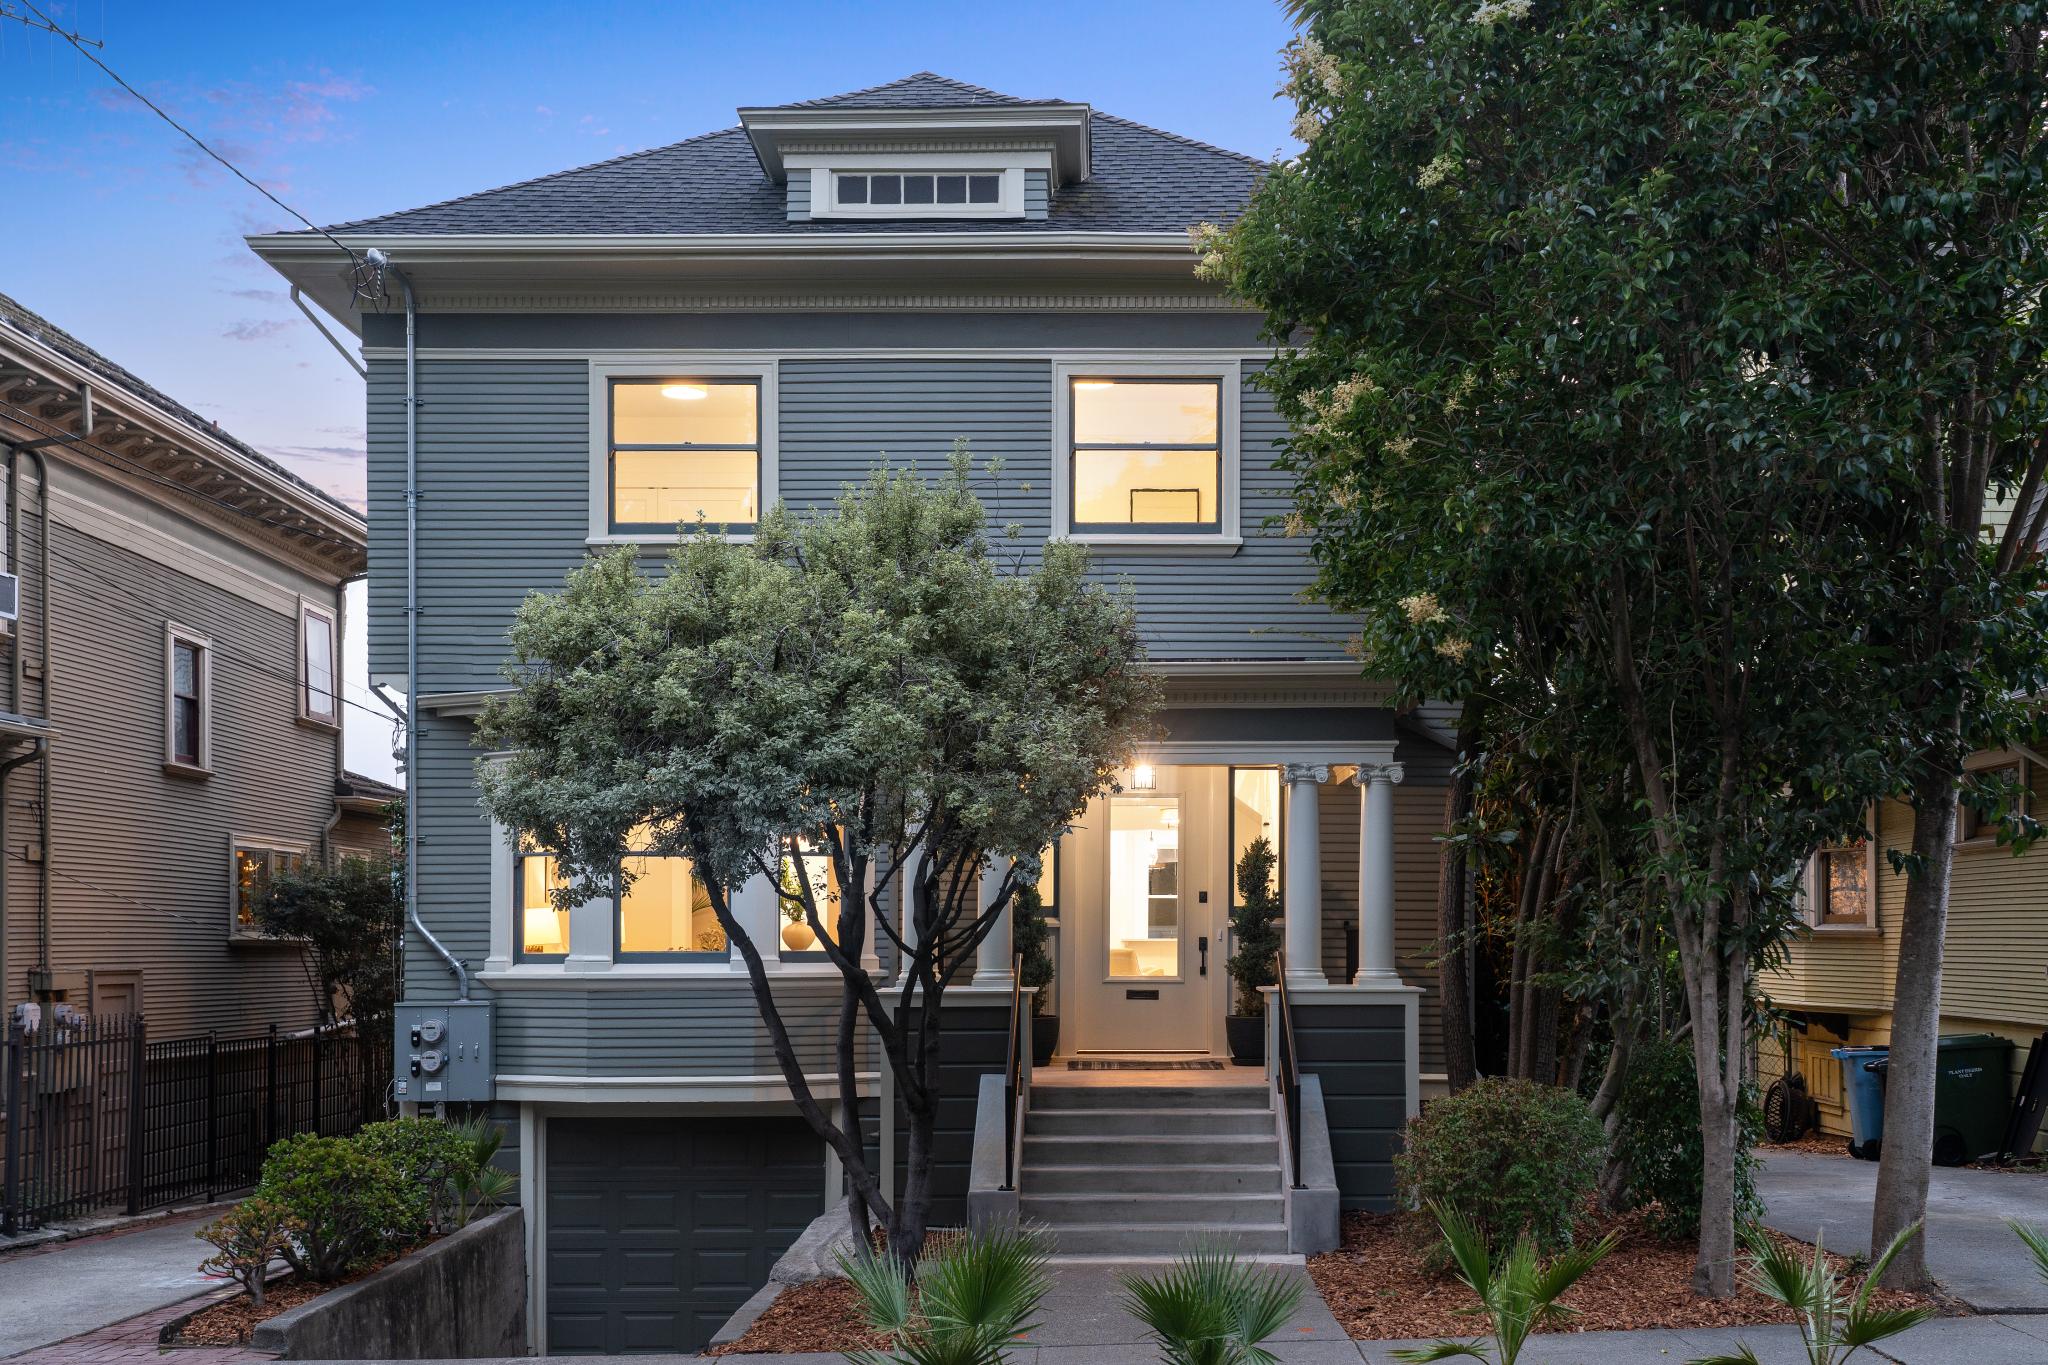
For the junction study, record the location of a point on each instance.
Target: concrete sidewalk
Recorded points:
(52, 1292)
(1969, 1247)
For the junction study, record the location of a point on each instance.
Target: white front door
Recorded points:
(1147, 961)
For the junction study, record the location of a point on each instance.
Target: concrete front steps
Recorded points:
(1152, 1170)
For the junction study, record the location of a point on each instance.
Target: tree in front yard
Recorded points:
(878, 684)
(1544, 331)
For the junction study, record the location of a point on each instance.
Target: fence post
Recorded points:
(12, 1048)
(269, 1090)
(212, 1110)
(138, 1093)
(316, 1079)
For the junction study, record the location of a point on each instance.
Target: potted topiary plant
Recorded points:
(1257, 937)
(1031, 937)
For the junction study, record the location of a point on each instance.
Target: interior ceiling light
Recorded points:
(686, 392)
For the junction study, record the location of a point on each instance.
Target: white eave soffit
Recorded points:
(771, 129)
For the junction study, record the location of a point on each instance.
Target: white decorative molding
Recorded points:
(653, 301)
(1369, 773)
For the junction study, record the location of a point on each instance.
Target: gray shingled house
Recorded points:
(755, 314)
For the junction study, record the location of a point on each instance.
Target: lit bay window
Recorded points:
(666, 911)
(806, 866)
(685, 450)
(542, 928)
(1146, 454)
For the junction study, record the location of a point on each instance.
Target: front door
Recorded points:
(1146, 960)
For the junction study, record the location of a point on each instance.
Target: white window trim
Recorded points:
(820, 167)
(697, 366)
(175, 635)
(1228, 537)
(267, 844)
(311, 610)
(593, 924)
(1810, 891)
(1979, 762)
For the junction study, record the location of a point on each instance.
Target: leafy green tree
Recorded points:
(1551, 421)
(349, 916)
(875, 681)
(1254, 927)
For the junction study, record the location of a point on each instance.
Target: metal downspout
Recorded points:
(412, 636)
(14, 697)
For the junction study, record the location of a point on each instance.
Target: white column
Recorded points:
(1303, 902)
(870, 960)
(992, 965)
(758, 910)
(906, 884)
(1376, 874)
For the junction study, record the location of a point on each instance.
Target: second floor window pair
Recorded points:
(1144, 454)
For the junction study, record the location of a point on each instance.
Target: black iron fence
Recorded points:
(95, 1115)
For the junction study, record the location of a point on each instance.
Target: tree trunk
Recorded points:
(1908, 1150)
(1453, 915)
(1713, 1274)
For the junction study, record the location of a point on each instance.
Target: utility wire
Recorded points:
(368, 280)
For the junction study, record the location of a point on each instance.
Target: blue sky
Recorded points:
(118, 230)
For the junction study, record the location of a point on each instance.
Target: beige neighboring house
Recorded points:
(170, 698)
(1839, 974)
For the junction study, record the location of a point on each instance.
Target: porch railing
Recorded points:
(94, 1114)
(1287, 1072)
(1014, 1061)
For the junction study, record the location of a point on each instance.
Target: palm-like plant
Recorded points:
(970, 1301)
(1832, 1326)
(1211, 1308)
(2037, 1242)
(1517, 1297)
(485, 1185)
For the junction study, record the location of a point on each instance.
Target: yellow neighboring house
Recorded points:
(1840, 971)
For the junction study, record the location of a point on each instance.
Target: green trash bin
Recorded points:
(1972, 1096)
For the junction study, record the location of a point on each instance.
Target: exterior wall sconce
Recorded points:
(1141, 778)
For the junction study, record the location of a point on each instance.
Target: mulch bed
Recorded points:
(233, 1321)
(1817, 1143)
(1378, 1288)
(818, 1315)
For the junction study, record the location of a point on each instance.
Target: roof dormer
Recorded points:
(920, 161)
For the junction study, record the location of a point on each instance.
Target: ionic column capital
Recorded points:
(1378, 772)
(1317, 773)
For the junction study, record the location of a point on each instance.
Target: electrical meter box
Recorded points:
(444, 1053)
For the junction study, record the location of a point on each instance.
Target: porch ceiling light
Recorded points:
(687, 392)
(1141, 778)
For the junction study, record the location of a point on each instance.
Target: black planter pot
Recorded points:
(1045, 1036)
(1247, 1035)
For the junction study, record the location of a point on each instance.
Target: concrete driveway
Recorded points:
(54, 1292)
(1969, 1247)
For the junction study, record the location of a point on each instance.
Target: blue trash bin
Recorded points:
(1863, 1092)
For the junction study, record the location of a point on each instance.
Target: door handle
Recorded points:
(1202, 943)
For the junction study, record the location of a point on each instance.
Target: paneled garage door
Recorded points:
(657, 1229)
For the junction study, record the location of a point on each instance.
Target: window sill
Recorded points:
(187, 770)
(248, 939)
(1846, 931)
(1161, 544)
(325, 727)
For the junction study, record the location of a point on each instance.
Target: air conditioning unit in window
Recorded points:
(10, 597)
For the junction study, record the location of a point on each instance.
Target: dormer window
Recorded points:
(918, 189)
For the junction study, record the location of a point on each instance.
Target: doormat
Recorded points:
(1117, 1064)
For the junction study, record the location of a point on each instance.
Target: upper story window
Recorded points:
(807, 864)
(188, 702)
(1145, 454)
(917, 190)
(318, 700)
(1843, 893)
(1972, 823)
(666, 912)
(255, 866)
(684, 449)
(542, 928)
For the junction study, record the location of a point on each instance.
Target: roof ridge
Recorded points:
(530, 180)
(956, 83)
(1184, 139)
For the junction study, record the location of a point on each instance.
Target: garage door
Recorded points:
(657, 1229)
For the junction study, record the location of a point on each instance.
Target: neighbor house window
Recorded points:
(1972, 823)
(685, 451)
(1255, 797)
(807, 865)
(1842, 891)
(666, 911)
(918, 191)
(254, 867)
(318, 699)
(1146, 455)
(542, 930)
(188, 701)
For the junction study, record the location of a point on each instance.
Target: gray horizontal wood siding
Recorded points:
(976, 1039)
(1037, 194)
(1359, 1054)
(504, 482)
(139, 858)
(799, 197)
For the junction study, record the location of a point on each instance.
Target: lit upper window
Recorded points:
(685, 450)
(1147, 454)
(667, 909)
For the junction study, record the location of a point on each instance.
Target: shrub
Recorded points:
(1515, 1159)
(972, 1299)
(245, 1240)
(347, 1203)
(1657, 1139)
(487, 1185)
(1032, 940)
(1211, 1308)
(1254, 927)
(430, 1159)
